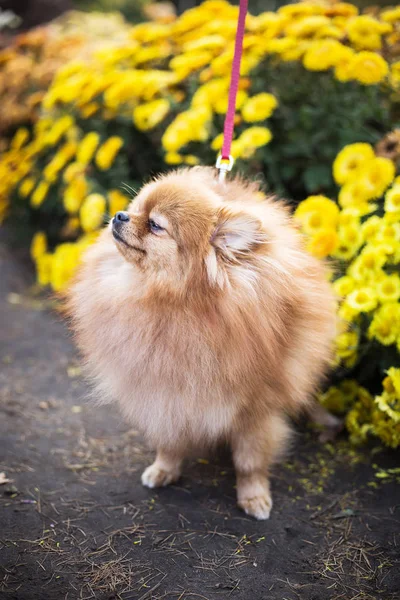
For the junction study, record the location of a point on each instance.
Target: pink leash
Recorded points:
(225, 160)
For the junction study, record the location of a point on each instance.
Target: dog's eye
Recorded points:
(155, 227)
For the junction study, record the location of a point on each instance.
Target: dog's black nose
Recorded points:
(121, 215)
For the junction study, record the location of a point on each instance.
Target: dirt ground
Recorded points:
(75, 522)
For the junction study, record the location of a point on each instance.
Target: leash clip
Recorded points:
(224, 165)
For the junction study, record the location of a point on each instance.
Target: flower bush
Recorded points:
(361, 232)
(320, 86)
(28, 65)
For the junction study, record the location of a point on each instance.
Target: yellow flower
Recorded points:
(365, 33)
(370, 228)
(107, 152)
(217, 142)
(391, 383)
(221, 105)
(92, 212)
(385, 326)
(191, 159)
(210, 92)
(388, 289)
(173, 158)
(19, 139)
(74, 195)
(392, 199)
(346, 345)
(388, 232)
(333, 400)
(368, 68)
(307, 27)
(343, 66)
(349, 160)
(255, 137)
(147, 116)
(27, 186)
(323, 243)
(44, 264)
(39, 194)
(87, 148)
(350, 236)
(344, 285)
(38, 245)
(259, 107)
(362, 300)
(377, 173)
(368, 264)
(117, 201)
(316, 213)
(73, 170)
(346, 312)
(64, 263)
(322, 55)
(184, 64)
(390, 15)
(395, 74)
(59, 128)
(89, 110)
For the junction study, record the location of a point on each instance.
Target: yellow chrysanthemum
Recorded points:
(377, 173)
(259, 107)
(39, 194)
(323, 243)
(391, 383)
(365, 33)
(221, 105)
(117, 201)
(255, 137)
(388, 289)
(346, 345)
(147, 116)
(391, 15)
(344, 285)
(92, 212)
(343, 66)
(27, 186)
(322, 55)
(19, 139)
(107, 152)
(368, 264)
(44, 264)
(350, 236)
(38, 245)
(368, 68)
(356, 195)
(317, 212)
(392, 199)
(363, 299)
(87, 148)
(385, 325)
(74, 195)
(173, 158)
(349, 160)
(370, 228)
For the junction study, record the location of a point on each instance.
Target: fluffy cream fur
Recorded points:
(212, 325)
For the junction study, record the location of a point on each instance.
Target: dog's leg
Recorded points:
(320, 416)
(165, 469)
(254, 451)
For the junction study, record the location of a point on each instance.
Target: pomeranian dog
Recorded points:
(200, 313)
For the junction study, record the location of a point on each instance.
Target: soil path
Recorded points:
(75, 523)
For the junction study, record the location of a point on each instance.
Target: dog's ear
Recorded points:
(236, 233)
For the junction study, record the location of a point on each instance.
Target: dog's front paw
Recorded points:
(258, 507)
(155, 476)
